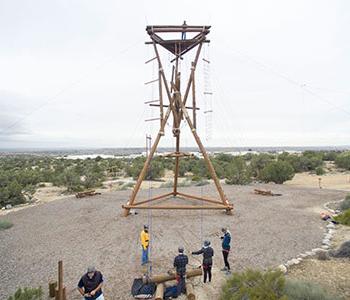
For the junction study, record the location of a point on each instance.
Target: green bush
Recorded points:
(343, 160)
(237, 172)
(254, 285)
(27, 294)
(301, 290)
(259, 162)
(4, 224)
(344, 218)
(320, 171)
(277, 171)
(345, 204)
(202, 182)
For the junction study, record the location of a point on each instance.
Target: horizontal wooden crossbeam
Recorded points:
(177, 207)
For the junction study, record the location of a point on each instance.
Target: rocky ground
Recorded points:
(266, 231)
(333, 274)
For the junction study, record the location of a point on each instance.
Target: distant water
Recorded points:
(116, 152)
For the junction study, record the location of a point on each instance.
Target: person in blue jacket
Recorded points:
(226, 247)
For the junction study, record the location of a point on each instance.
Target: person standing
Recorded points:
(226, 247)
(144, 237)
(180, 263)
(90, 285)
(208, 254)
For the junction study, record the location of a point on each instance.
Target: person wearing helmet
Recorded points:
(207, 264)
(144, 237)
(180, 263)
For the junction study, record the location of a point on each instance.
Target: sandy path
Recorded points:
(266, 231)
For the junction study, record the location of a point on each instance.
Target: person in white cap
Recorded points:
(90, 285)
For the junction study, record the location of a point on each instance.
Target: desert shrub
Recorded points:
(167, 184)
(237, 172)
(342, 251)
(343, 160)
(202, 182)
(5, 224)
(345, 204)
(27, 294)
(343, 218)
(259, 162)
(320, 171)
(277, 171)
(127, 185)
(196, 178)
(301, 290)
(253, 284)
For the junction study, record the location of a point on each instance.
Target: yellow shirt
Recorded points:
(144, 239)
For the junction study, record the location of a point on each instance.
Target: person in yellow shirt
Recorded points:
(144, 236)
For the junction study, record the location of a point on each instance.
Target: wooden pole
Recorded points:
(190, 291)
(194, 100)
(176, 173)
(167, 277)
(159, 292)
(52, 288)
(60, 280)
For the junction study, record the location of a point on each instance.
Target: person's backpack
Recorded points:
(140, 290)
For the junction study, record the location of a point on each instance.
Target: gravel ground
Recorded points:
(266, 231)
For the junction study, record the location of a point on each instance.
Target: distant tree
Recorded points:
(237, 172)
(259, 161)
(277, 171)
(343, 160)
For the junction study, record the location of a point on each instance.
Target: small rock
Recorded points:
(326, 242)
(326, 247)
(309, 253)
(8, 206)
(328, 236)
(316, 250)
(303, 255)
(331, 231)
(282, 268)
(323, 255)
(330, 225)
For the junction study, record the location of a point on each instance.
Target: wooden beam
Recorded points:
(190, 291)
(154, 198)
(184, 207)
(199, 198)
(167, 277)
(60, 280)
(159, 292)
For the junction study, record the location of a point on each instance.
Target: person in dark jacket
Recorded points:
(180, 263)
(226, 247)
(207, 264)
(90, 285)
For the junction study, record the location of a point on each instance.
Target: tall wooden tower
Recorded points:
(175, 105)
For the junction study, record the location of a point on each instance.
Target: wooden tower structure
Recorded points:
(175, 105)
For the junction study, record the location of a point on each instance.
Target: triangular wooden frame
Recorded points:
(177, 107)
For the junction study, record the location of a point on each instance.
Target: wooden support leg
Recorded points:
(176, 173)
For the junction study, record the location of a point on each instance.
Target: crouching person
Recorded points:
(90, 285)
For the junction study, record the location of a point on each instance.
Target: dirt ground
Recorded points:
(334, 180)
(333, 274)
(266, 231)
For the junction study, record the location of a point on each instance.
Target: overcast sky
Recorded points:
(72, 73)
